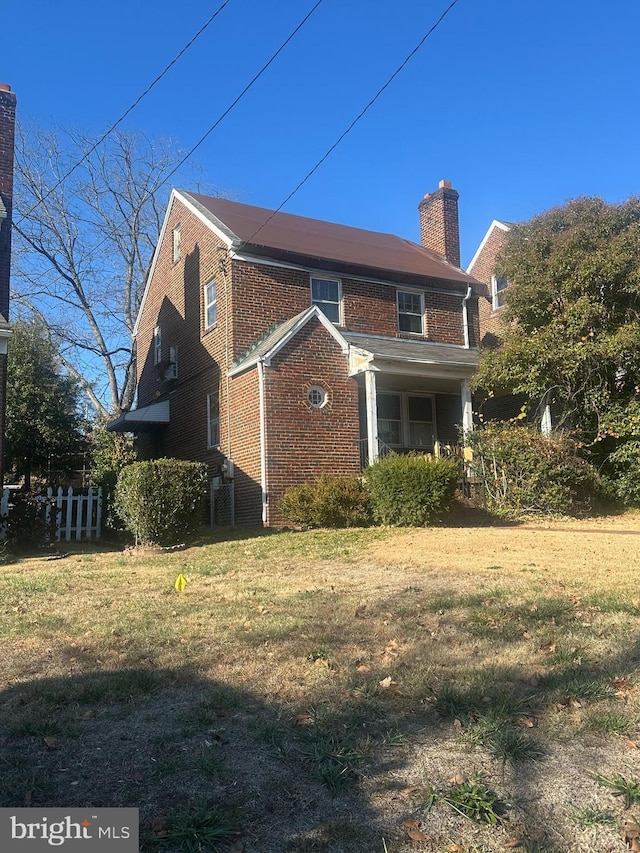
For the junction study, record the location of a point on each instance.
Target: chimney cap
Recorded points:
(444, 185)
(5, 87)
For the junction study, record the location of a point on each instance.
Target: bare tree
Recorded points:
(83, 246)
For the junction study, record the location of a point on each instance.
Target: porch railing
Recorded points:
(439, 451)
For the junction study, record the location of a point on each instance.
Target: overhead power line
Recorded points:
(253, 80)
(355, 121)
(130, 109)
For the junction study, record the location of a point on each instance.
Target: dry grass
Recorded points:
(327, 691)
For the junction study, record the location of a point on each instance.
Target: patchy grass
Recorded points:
(299, 690)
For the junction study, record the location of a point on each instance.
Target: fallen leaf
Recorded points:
(456, 848)
(51, 742)
(411, 824)
(407, 792)
(416, 835)
(364, 667)
(631, 744)
(387, 683)
(513, 843)
(526, 722)
(526, 635)
(458, 779)
(160, 827)
(635, 844)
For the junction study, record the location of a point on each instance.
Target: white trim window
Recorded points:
(157, 345)
(210, 304)
(213, 421)
(176, 244)
(326, 293)
(410, 311)
(406, 421)
(499, 286)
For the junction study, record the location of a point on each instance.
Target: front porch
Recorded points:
(413, 396)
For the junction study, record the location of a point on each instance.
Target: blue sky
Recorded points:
(521, 105)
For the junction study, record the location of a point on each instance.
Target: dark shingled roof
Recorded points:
(283, 236)
(409, 350)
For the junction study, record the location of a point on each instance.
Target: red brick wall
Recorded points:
(303, 442)
(245, 446)
(264, 296)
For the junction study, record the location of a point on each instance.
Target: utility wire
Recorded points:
(253, 80)
(355, 121)
(128, 110)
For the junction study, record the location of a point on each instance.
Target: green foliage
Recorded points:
(43, 433)
(474, 800)
(27, 524)
(629, 789)
(332, 501)
(161, 502)
(411, 490)
(110, 453)
(524, 472)
(571, 325)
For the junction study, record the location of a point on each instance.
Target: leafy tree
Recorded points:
(571, 325)
(84, 241)
(43, 428)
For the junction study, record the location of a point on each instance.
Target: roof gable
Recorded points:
(496, 224)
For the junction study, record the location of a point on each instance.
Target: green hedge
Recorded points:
(331, 501)
(161, 502)
(411, 490)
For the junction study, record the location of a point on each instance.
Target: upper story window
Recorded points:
(210, 304)
(157, 345)
(498, 289)
(326, 293)
(177, 245)
(410, 312)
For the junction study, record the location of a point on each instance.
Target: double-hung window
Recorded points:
(498, 289)
(406, 421)
(213, 421)
(326, 294)
(210, 304)
(410, 312)
(177, 244)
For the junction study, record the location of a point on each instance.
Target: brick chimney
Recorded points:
(439, 229)
(7, 135)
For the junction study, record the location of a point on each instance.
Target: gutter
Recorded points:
(263, 441)
(465, 317)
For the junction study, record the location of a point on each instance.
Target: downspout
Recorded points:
(465, 317)
(263, 441)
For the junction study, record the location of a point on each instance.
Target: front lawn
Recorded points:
(440, 689)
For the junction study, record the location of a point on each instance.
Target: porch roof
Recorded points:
(414, 352)
(143, 419)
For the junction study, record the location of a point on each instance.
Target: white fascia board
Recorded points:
(312, 311)
(176, 195)
(268, 262)
(419, 369)
(495, 224)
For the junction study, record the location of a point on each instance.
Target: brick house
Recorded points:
(7, 135)
(275, 347)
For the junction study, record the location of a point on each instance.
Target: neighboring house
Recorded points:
(504, 406)
(7, 134)
(482, 267)
(275, 347)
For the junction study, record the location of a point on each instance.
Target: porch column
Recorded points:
(372, 415)
(467, 407)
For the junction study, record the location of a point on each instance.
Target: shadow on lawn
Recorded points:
(179, 748)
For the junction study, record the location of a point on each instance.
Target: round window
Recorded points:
(317, 396)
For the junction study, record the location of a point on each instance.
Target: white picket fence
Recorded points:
(77, 516)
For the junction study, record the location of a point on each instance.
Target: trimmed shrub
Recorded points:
(524, 472)
(332, 501)
(161, 502)
(27, 527)
(411, 490)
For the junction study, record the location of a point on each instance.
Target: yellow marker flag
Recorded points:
(180, 583)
